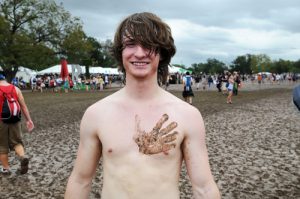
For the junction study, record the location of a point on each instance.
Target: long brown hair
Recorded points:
(149, 31)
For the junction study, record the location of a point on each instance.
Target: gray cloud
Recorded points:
(221, 29)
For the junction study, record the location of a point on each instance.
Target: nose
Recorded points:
(140, 51)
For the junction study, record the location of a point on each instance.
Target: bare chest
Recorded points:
(136, 135)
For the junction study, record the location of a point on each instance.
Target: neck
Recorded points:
(142, 89)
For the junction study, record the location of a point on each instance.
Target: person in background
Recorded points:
(10, 133)
(15, 81)
(52, 84)
(198, 81)
(237, 83)
(225, 83)
(259, 79)
(187, 88)
(296, 97)
(106, 81)
(204, 82)
(230, 88)
(210, 80)
(219, 83)
(33, 83)
(146, 132)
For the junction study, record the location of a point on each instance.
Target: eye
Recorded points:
(129, 44)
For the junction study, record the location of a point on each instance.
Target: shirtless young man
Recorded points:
(146, 132)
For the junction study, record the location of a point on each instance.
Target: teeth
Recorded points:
(139, 63)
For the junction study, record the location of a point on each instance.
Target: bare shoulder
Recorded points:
(91, 121)
(19, 93)
(184, 108)
(105, 106)
(189, 116)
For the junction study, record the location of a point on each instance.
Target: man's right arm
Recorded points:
(88, 156)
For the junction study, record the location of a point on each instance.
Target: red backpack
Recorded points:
(9, 105)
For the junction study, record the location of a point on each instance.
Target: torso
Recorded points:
(128, 173)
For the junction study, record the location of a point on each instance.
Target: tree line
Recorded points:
(248, 64)
(38, 33)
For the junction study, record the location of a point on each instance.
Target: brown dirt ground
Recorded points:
(249, 158)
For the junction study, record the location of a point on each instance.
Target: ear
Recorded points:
(160, 57)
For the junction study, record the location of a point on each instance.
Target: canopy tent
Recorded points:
(54, 69)
(264, 73)
(175, 69)
(93, 70)
(25, 73)
(101, 70)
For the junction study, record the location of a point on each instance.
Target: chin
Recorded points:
(140, 71)
(140, 75)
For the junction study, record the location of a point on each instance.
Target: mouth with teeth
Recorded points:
(140, 64)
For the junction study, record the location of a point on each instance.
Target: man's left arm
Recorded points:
(196, 159)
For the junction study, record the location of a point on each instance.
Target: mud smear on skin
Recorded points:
(158, 140)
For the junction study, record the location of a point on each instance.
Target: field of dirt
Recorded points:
(253, 144)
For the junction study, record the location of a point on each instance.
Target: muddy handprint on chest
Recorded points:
(159, 139)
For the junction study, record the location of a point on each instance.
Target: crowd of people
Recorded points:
(54, 83)
(229, 83)
(226, 83)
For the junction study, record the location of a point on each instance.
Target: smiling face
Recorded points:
(144, 39)
(138, 61)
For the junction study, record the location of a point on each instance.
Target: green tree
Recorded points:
(242, 64)
(295, 68)
(78, 48)
(107, 58)
(96, 52)
(199, 68)
(34, 33)
(260, 63)
(73, 47)
(281, 66)
(215, 66)
(203, 68)
(211, 67)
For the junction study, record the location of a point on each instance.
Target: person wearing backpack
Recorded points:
(187, 90)
(11, 104)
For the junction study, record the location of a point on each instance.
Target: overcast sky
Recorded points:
(202, 29)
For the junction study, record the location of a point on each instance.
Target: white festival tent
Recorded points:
(80, 69)
(175, 69)
(25, 73)
(97, 70)
(53, 69)
(110, 71)
(264, 73)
